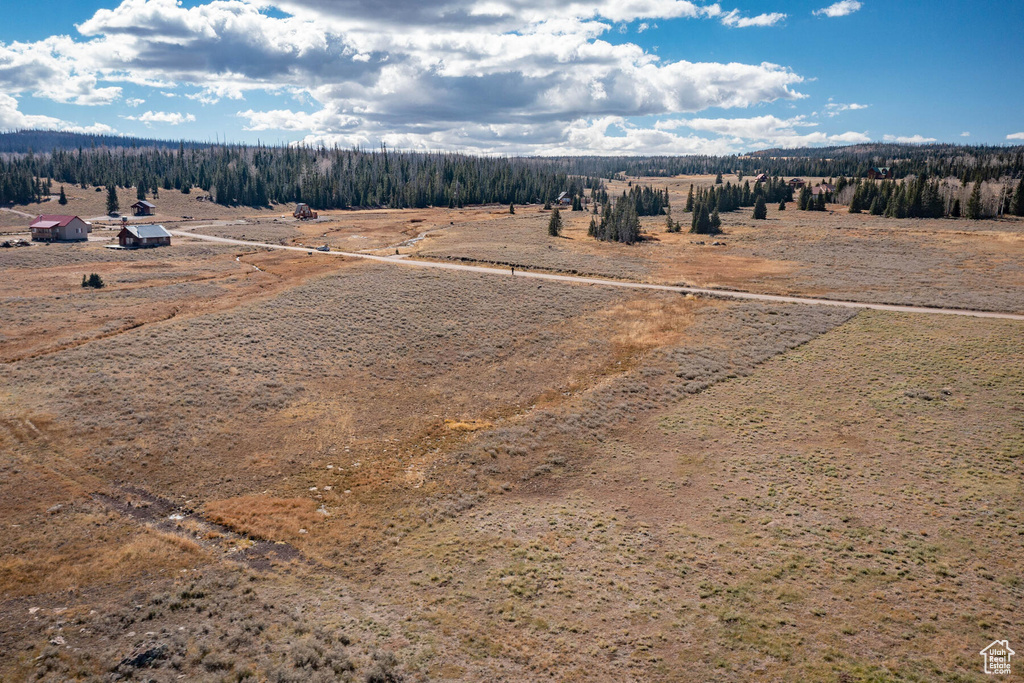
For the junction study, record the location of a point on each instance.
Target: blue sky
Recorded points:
(514, 77)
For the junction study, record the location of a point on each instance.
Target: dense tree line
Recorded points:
(334, 178)
(924, 197)
(25, 141)
(324, 178)
(968, 163)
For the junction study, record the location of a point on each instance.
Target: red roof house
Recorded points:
(55, 228)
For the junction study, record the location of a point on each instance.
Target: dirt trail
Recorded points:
(724, 293)
(20, 213)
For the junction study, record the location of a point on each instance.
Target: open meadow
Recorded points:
(235, 463)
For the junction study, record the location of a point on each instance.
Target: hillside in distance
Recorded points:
(25, 141)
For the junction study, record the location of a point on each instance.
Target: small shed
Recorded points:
(55, 228)
(143, 236)
(879, 173)
(797, 182)
(564, 198)
(143, 208)
(761, 178)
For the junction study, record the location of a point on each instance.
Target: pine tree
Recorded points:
(1017, 206)
(555, 224)
(689, 200)
(63, 197)
(820, 204)
(702, 224)
(782, 205)
(805, 199)
(760, 209)
(716, 222)
(511, 208)
(718, 179)
(974, 203)
(112, 204)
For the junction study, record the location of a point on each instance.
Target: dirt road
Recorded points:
(20, 213)
(729, 294)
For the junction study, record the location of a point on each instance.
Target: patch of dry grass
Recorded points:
(89, 549)
(647, 323)
(467, 425)
(265, 517)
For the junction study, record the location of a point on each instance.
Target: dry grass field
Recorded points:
(946, 263)
(240, 464)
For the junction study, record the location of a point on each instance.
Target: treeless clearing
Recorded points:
(485, 478)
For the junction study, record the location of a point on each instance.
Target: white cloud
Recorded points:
(911, 140)
(498, 15)
(839, 9)
(11, 118)
(734, 19)
(285, 119)
(608, 135)
(52, 69)
(756, 127)
(170, 118)
(745, 133)
(835, 108)
(488, 74)
(1015, 136)
(965, 134)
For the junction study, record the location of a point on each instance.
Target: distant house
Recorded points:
(879, 173)
(143, 236)
(143, 208)
(565, 198)
(825, 188)
(53, 228)
(797, 183)
(761, 178)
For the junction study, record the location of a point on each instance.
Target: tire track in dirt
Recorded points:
(81, 342)
(160, 514)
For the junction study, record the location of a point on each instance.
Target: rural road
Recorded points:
(721, 293)
(20, 213)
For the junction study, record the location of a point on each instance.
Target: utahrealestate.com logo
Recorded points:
(997, 657)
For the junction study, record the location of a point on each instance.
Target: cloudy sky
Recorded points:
(519, 76)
